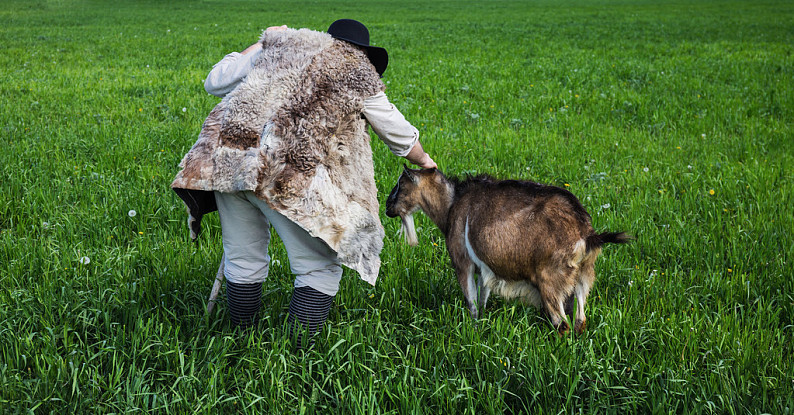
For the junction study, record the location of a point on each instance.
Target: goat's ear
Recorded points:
(410, 174)
(437, 175)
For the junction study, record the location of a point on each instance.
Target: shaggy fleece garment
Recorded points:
(292, 133)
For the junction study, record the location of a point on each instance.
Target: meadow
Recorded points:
(669, 120)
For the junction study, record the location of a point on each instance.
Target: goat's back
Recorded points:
(517, 227)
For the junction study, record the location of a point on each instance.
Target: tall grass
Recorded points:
(671, 121)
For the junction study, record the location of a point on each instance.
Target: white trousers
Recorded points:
(245, 223)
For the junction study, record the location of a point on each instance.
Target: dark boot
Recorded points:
(308, 310)
(243, 301)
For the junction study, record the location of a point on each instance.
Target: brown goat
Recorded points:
(525, 240)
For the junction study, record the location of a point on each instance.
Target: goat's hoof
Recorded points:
(580, 326)
(563, 329)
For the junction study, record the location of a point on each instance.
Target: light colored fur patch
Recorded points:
(238, 168)
(579, 250)
(408, 230)
(581, 291)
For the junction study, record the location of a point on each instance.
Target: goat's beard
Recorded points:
(408, 230)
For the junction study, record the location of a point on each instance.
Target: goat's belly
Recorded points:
(523, 290)
(507, 288)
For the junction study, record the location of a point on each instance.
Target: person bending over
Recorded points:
(288, 147)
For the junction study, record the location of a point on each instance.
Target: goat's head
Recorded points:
(414, 189)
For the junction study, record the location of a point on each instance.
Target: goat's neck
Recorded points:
(437, 205)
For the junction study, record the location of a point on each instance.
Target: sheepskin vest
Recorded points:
(293, 133)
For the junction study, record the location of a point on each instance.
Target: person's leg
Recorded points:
(317, 275)
(246, 235)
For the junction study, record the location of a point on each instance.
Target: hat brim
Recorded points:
(379, 58)
(377, 55)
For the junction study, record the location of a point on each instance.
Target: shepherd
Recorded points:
(288, 147)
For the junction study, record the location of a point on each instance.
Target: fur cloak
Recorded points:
(292, 132)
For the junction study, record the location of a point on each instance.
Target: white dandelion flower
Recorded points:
(645, 169)
(132, 213)
(85, 260)
(631, 282)
(184, 109)
(606, 206)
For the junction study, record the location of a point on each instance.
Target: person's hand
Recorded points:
(256, 46)
(419, 157)
(427, 163)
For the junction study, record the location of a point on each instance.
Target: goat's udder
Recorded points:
(409, 230)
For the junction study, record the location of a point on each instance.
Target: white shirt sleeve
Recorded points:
(390, 125)
(227, 74)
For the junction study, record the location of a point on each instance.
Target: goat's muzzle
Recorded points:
(391, 201)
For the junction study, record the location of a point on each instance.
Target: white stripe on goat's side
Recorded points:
(477, 263)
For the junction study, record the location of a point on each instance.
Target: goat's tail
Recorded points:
(597, 240)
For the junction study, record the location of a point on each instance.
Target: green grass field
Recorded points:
(669, 120)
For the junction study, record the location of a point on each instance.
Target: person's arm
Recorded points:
(395, 131)
(233, 68)
(418, 156)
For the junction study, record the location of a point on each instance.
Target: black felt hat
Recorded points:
(356, 33)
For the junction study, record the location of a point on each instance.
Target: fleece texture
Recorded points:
(292, 132)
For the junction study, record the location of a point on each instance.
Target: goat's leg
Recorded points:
(581, 291)
(465, 274)
(553, 302)
(216, 286)
(485, 290)
(554, 308)
(569, 303)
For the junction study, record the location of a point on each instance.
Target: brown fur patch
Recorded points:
(239, 137)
